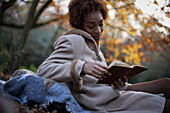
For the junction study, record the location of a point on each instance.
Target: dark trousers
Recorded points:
(155, 87)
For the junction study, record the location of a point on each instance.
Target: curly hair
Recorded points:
(78, 9)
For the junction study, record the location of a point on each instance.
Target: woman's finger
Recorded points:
(116, 85)
(102, 65)
(97, 76)
(120, 82)
(102, 71)
(125, 79)
(97, 72)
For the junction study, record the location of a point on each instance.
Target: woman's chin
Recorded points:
(97, 39)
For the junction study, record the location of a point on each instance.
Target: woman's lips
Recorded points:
(96, 38)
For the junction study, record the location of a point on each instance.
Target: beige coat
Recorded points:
(65, 65)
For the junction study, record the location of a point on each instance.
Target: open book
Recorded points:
(119, 69)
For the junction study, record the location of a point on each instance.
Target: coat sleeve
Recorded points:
(61, 65)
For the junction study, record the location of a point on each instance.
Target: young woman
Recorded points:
(77, 60)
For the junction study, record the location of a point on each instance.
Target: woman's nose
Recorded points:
(98, 30)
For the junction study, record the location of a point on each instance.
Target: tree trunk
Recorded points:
(29, 24)
(19, 49)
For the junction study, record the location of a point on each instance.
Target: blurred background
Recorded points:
(136, 32)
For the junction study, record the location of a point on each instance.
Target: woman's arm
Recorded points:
(61, 65)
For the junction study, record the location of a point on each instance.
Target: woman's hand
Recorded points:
(120, 82)
(96, 69)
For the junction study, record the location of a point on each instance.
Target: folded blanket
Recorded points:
(28, 88)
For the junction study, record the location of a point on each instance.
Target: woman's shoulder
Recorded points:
(73, 37)
(70, 39)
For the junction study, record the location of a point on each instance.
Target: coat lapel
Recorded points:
(88, 38)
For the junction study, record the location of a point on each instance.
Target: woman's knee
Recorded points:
(166, 80)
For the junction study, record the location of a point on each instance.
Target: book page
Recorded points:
(118, 63)
(140, 66)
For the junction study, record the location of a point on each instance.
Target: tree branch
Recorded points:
(4, 7)
(48, 22)
(126, 5)
(29, 21)
(40, 12)
(11, 25)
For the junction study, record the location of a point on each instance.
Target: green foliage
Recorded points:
(4, 58)
(158, 69)
(30, 67)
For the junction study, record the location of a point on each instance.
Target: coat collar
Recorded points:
(86, 36)
(80, 32)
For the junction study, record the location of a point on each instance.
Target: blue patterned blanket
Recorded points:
(28, 88)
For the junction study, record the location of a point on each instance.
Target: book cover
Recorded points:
(119, 69)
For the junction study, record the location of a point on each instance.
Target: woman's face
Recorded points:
(93, 24)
